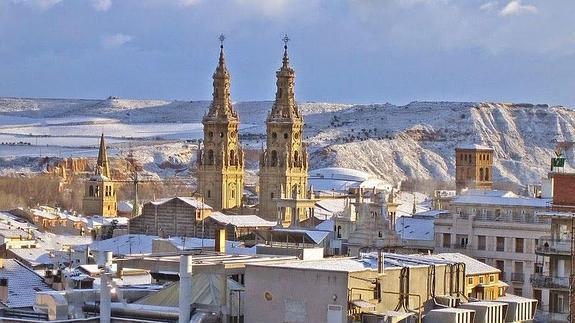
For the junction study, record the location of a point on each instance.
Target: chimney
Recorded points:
(185, 297)
(49, 277)
(220, 243)
(58, 285)
(4, 289)
(380, 262)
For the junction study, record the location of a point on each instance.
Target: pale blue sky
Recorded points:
(356, 51)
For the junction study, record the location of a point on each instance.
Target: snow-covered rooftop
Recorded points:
(241, 220)
(410, 228)
(473, 146)
(495, 197)
(342, 179)
(472, 266)
(364, 262)
(23, 283)
(188, 200)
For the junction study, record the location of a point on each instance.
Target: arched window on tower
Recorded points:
(232, 157)
(481, 174)
(274, 160)
(487, 174)
(296, 158)
(97, 190)
(294, 192)
(91, 190)
(210, 157)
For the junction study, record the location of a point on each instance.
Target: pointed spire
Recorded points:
(285, 106)
(221, 106)
(102, 165)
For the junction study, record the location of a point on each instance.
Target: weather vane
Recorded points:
(222, 38)
(286, 40)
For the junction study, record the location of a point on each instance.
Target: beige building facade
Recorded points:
(498, 228)
(221, 159)
(284, 162)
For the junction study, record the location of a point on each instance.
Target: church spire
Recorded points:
(285, 106)
(221, 106)
(102, 165)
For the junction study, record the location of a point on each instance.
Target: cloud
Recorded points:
(116, 40)
(489, 6)
(515, 7)
(188, 3)
(41, 4)
(102, 5)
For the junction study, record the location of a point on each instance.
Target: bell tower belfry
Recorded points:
(100, 193)
(221, 159)
(284, 162)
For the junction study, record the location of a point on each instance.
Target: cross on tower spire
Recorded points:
(222, 38)
(286, 40)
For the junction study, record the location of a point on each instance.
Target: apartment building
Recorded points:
(551, 283)
(499, 228)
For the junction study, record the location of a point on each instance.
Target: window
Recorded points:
(481, 279)
(446, 240)
(481, 242)
(462, 240)
(519, 244)
(470, 280)
(518, 291)
(491, 278)
(500, 264)
(500, 244)
(209, 193)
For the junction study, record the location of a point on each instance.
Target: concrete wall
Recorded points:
(293, 295)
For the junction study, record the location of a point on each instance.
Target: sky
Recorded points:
(349, 51)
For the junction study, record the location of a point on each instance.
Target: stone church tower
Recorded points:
(283, 164)
(473, 167)
(100, 194)
(221, 159)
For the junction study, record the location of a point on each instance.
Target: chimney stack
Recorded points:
(4, 289)
(185, 297)
(380, 262)
(220, 243)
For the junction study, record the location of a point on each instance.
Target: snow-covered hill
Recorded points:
(395, 142)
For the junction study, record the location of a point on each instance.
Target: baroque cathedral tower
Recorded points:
(284, 162)
(100, 194)
(221, 159)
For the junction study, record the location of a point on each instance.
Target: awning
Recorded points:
(362, 304)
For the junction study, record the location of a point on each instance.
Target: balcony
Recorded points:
(542, 281)
(517, 277)
(543, 316)
(547, 245)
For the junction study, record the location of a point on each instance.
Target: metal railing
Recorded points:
(517, 277)
(544, 281)
(554, 246)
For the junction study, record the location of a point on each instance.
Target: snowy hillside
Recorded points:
(395, 142)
